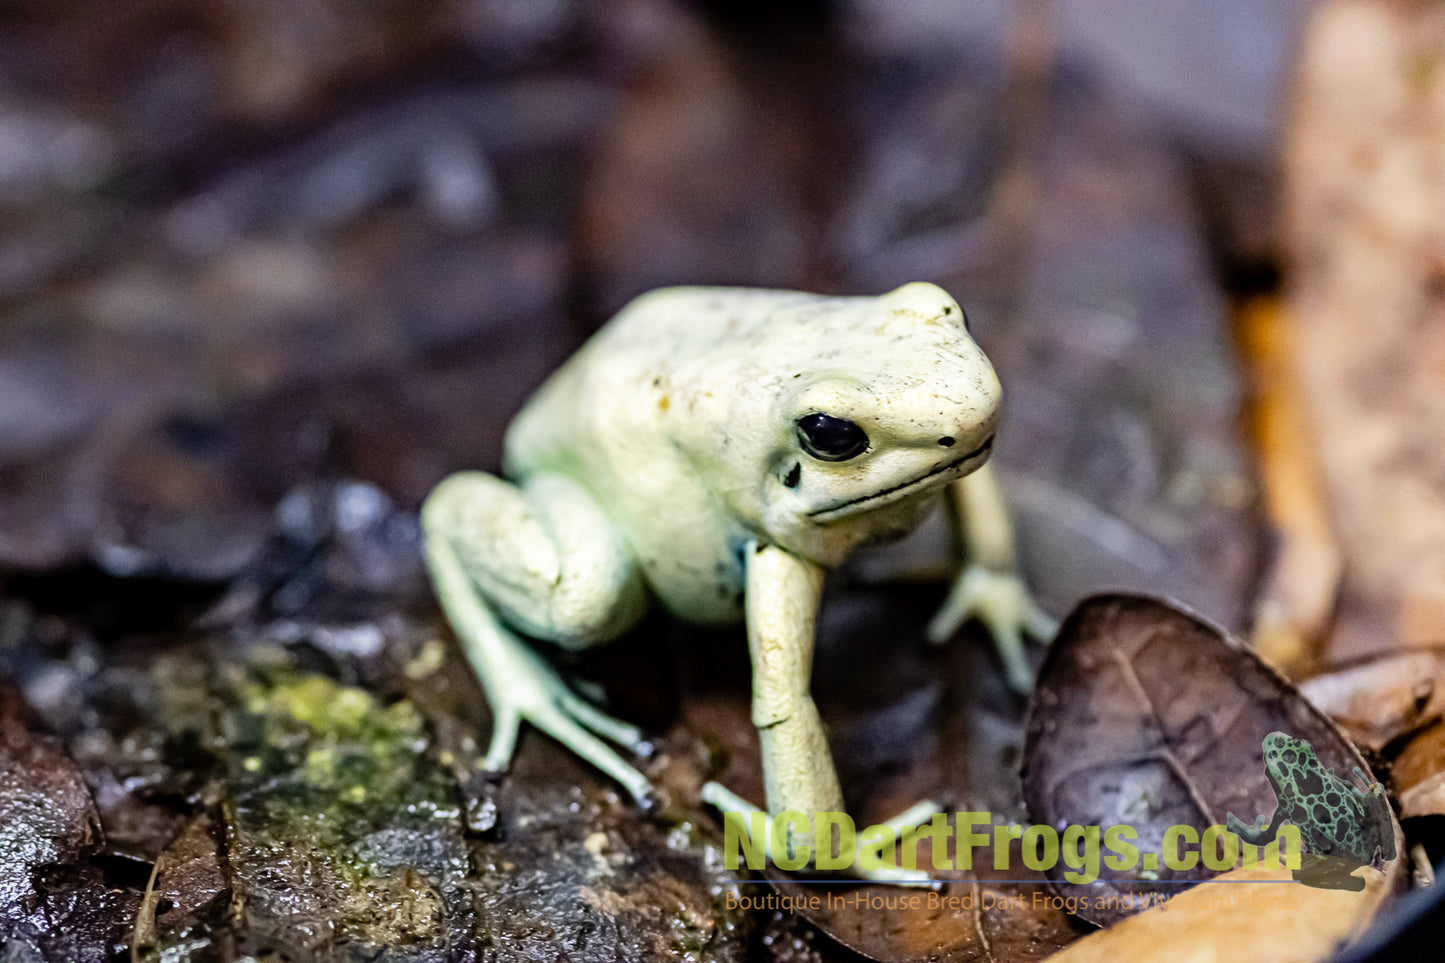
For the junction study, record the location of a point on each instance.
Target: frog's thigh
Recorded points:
(544, 554)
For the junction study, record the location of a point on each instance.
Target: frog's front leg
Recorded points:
(1260, 832)
(781, 605)
(989, 587)
(547, 558)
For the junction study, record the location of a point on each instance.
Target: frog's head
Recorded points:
(1291, 762)
(896, 402)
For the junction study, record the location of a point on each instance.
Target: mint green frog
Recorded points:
(718, 450)
(1341, 826)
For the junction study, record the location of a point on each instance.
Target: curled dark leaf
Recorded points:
(1149, 717)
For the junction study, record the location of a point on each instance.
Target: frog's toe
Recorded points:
(898, 876)
(533, 692)
(506, 722)
(911, 818)
(960, 606)
(1010, 645)
(1040, 624)
(724, 800)
(1251, 833)
(562, 726)
(608, 727)
(1001, 601)
(914, 816)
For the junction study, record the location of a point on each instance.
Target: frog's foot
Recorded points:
(545, 557)
(533, 692)
(1368, 782)
(1000, 600)
(725, 800)
(1252, 833)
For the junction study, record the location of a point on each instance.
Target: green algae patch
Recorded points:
(332, 754)
(324, 705)
(333, 829)
(343, 830)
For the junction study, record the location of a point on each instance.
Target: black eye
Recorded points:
(831, 439)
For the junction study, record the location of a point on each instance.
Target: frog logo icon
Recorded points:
(1342, 827)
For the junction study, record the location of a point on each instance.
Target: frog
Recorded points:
(718, 451)
(1342, 826)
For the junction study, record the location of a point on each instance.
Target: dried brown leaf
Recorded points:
(1247, 914)
(1418, 774)
(983, 915)
(1377, 699)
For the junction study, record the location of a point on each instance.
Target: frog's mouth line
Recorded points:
(833, 512)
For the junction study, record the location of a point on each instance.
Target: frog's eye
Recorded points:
(831, 439)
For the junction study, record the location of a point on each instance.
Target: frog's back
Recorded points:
(696, 339)
(673, 413)
(614, 416)
(1334, 816)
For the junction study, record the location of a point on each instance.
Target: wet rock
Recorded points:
(55, 902)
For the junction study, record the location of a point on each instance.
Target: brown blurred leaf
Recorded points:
(1364, 214)
(1147, 716)
(1295, 607)
(1121, 472)
(1377, 699)
(699, 179)
(1418, 774)
(1393, 704)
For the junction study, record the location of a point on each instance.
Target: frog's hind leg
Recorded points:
(543, 554)
(547, 559)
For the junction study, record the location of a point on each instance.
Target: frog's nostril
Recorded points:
(946, 441)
